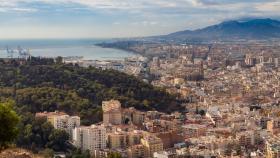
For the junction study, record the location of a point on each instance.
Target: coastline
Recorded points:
(88, 51)
(104, 45)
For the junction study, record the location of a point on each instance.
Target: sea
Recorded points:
(64, 47)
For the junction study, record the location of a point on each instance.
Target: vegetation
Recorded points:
(37, 134)
(39, 85)
(42, 85)
(78, 153)
(8, 124)
(114, 155)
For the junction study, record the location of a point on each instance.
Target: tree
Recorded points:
(59, 60)
(58, 140)
(114, 155)
(202, 112)
(8, 124)
(78, 153)
(47, 153)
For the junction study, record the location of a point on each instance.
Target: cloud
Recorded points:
(268, 7)
(104, 4)
(145, 23)
(116, 23)
(143, 5)
(18, 10)
(132, 16)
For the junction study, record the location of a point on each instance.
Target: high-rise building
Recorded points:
(250, 61)
(90, 138)
(276, 62)
(273, 126)
(112, 112)
(261, 59)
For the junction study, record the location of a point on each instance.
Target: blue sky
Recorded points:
(121, 18)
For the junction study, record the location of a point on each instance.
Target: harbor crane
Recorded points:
(22, 53)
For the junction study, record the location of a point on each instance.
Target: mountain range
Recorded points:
(259, 29)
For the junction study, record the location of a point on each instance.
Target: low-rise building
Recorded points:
(136, 151)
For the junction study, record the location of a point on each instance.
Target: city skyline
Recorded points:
(128, 18)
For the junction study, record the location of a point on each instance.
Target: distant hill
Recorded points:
(249, 29)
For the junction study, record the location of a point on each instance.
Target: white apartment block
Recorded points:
(61, 120)
(66, 122)
(90, 138)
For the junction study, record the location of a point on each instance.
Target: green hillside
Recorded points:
(42, 85)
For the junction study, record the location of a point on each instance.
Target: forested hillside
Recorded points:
(42, 85)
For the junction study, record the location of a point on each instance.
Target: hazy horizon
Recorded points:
(86, 19)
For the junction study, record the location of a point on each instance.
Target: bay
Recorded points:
(64, 48)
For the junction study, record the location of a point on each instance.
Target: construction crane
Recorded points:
(24, 54)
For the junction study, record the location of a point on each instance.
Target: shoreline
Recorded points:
(118, 48)
(88, 52)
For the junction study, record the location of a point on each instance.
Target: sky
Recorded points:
(24, 19)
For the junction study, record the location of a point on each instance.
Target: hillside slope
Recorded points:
(250, 29)
(47, 87)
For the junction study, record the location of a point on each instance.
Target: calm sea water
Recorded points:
(53, 48)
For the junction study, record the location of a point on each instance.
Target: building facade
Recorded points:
(112, 112)
(90, 138)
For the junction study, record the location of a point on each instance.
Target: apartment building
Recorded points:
(112, 112)
(151, 145)
(90, 138)
(61, 120)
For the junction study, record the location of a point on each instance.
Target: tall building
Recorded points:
(250, 61)
(90, 138)
(276, 62)
(112, 112)
(273, 126)
(151, 145)
(261, 59)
